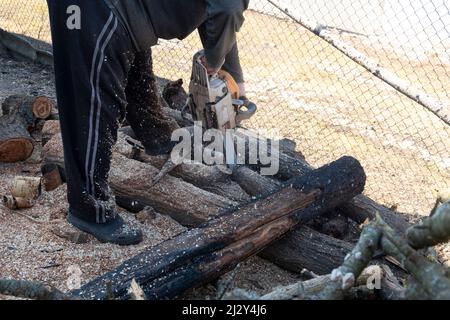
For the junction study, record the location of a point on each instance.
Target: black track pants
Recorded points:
(91, 71)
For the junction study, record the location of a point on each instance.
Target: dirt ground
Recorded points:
(305, 91)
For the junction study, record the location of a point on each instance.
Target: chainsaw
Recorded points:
(215, 101)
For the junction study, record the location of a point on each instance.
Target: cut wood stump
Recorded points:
(28, 108)
(51, 176)
(16, 143)
(26, 187)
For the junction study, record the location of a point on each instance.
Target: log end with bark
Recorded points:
(21, 116)
(28, 108)
(16, 143)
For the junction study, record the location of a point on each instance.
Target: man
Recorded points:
(103, 71)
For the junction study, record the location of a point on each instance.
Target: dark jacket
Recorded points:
(217, 22)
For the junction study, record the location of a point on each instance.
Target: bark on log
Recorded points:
(15, 142)
(200, 255)
(431, 231)
(17, 46)
(28, 108)
(132, 180)
(344, 277)
(253, 183)
(305, 248)
(431, 277)
(31, 290)
(362, 208)
(359, 209)
(51, 176)
(209, 178)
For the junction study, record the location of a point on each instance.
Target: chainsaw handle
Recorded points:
(247, 114)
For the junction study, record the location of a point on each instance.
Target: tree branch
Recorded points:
(31, 290)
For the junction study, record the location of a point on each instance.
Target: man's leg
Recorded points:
(91, 66)
(144, 111)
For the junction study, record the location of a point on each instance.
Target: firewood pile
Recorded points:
(297, 219)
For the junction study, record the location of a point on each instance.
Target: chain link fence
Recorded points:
(311, 92)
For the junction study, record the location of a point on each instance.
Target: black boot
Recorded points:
(115, 231)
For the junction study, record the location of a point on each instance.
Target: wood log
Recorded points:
(26, 187)
(253, 183)
(432, 230)
(202, 254)
(362, 208)
(431, 277)
(28, 108)
(17, 46)
(290, 253)
(182, 120)
(17, 203)
(131, 181)
(30, 290)
(293, 252)
(344, 277)
(305, 248)
(51, 176)
(16, 143)
(359, 209)
(209, 178)
(44, 57)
